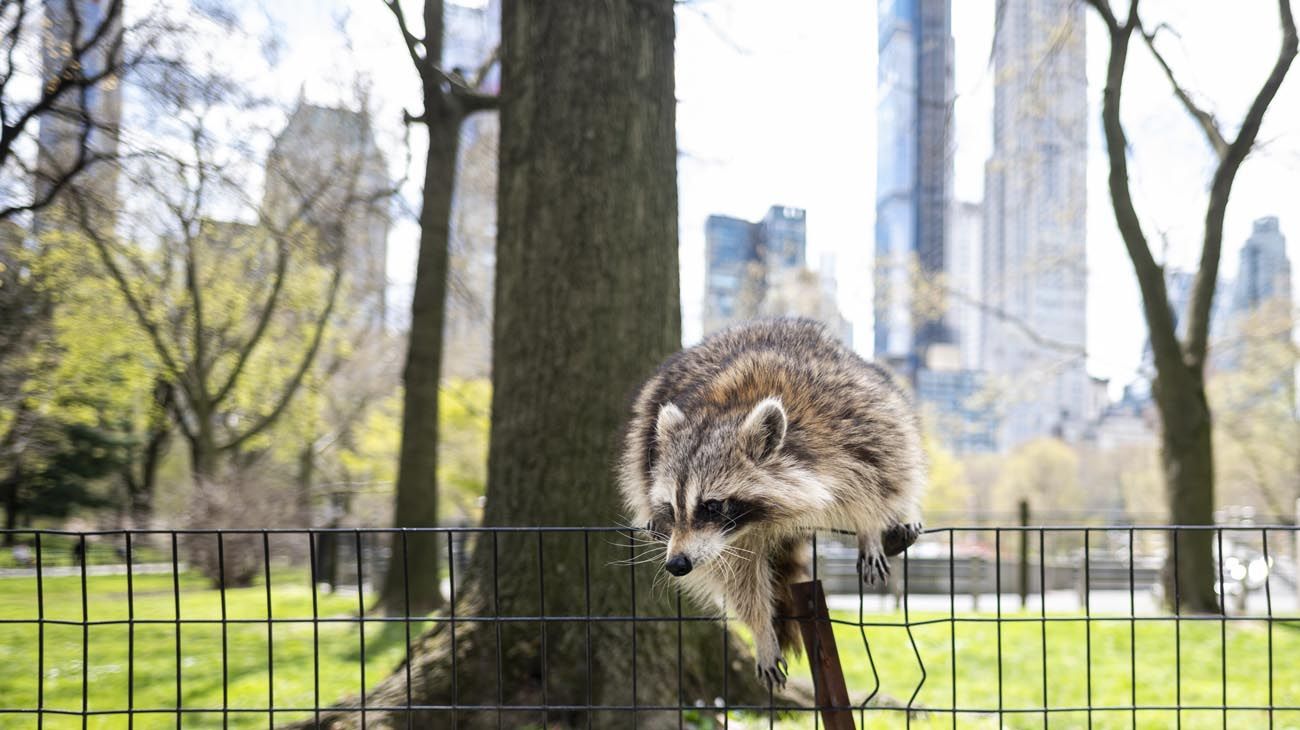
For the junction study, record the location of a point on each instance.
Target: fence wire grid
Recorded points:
(1064, 626)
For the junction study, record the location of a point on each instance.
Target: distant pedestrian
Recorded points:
(22, 555)
(78, 552)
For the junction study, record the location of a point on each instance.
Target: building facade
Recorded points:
(1034, 258)
(1263, 268)
(760, 270)
(326, 169)
(914, 176)
(733, 268)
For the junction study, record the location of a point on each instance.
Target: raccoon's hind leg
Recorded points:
(873, 565)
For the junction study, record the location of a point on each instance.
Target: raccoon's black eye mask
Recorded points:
(660, 523)
(729, 514)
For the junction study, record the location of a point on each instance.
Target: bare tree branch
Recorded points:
(290, 388)
(1107, 15)
(1209, 125)
(1150, 275)
(1017, 323)
(1202, 299)
(103, 247)
(410, 40)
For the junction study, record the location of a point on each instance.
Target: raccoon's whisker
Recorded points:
(731, 521)
(660, 585)
(636, 542)
(639, 560)
(738, 553)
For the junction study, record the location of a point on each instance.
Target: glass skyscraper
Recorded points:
(913, 175)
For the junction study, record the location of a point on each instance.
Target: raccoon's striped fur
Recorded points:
(739, 446)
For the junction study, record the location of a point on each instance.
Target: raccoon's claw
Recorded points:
(900, 537)
(873, 568)
(775, 673)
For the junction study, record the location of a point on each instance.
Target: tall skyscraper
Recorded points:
(965, 281)
(913, 175)
(96, 115)
(326, 168)
(1035, 270)
(1263, 269)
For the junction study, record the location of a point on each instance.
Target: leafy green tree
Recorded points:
(1045, 472)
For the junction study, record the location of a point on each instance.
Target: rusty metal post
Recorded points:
(823, 658)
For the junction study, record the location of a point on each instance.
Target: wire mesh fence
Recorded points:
(977, 627)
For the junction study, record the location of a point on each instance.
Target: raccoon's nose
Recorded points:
(679, 565)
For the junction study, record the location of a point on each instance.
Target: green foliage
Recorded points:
(1257, 424)
(73, 421)
(1044, 471)
(948, 489)
(464, 408)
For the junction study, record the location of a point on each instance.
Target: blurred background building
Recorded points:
(1035, 266)
(81, 124)
(1263, 268)
(760, 270)
(914, 177)
(928, 267)
(326, 168)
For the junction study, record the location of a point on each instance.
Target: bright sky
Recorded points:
(777, 107)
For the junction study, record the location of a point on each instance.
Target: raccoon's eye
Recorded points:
(714, 506)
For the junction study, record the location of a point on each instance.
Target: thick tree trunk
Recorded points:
(12, 506)
(1188, 459)
(306, 483)
(416, 501)
(587, 304)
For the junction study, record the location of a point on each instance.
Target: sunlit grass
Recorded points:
(228, 668)
(1047, 664)
(218, 668)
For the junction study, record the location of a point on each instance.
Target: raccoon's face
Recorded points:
(712, 481)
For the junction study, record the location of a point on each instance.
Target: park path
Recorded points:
(63, 571)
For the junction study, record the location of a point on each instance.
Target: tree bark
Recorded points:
(1187, 457)
(416, 501)
(587, 304)
(12, 505)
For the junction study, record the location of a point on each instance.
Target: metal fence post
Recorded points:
(1023, 568)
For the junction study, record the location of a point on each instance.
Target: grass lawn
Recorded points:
(201, 684)
(977, 668)
(1119, 653)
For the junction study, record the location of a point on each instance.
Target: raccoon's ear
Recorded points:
(670, 417)
(763, 431)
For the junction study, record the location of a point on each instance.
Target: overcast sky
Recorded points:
(777, 107)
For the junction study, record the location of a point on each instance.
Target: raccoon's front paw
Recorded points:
(772, 670)
(900, 537)
(873, 567)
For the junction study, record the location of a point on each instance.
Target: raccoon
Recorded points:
(739, 447)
